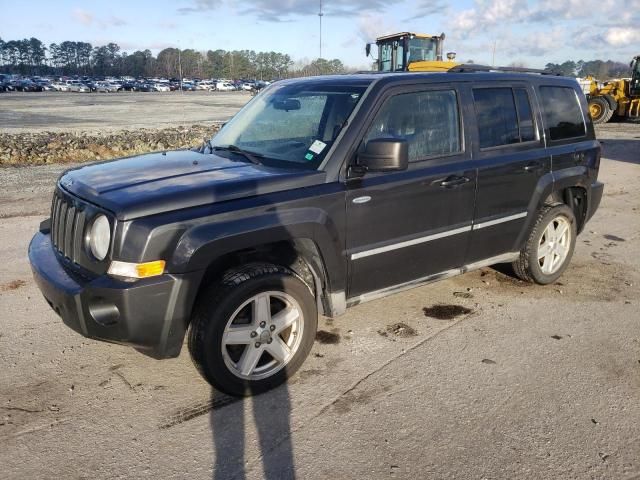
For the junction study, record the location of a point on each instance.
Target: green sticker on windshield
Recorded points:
(309, 156)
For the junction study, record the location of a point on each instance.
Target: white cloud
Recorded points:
(373, 25)
(88, 19)
(82, 16)
(619, 37)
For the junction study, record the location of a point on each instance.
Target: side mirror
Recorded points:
(367, 49)
(385, 154)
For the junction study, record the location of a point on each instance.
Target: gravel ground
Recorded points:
(100, 112)
(531, 382)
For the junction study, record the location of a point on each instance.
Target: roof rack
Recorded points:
(471, 68)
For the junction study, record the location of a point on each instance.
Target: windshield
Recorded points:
(421, 49)
(290, 125)
(391, 54)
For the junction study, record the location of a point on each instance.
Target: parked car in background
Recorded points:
(105, 87)
(188, 87)
(26, 86)
(225, 87)
(206, 85)
(60, 86)
(160, 87)
(77, 86)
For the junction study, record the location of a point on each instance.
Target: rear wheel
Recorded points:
(550, 246)
(600, 110)
(253, 330)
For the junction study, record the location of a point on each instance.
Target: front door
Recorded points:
(405, 226)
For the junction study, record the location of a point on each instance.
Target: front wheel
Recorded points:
(549, 247)
(600, 110)
(253, 330)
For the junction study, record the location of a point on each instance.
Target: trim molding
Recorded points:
(410, 243)
(497, 221)
(436, 236)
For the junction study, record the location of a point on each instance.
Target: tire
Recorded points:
(600, 110)
(533, 266)
(232, 348)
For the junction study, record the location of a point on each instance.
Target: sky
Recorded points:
(532, 33)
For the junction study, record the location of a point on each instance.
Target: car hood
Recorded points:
(159, 182)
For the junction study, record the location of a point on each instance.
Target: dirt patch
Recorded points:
(198, 409)
(445, 312)
(362, 397)
(615, 238)
(325, 337)
(504, 278)
(399, 330)
(13, 285)
(306, 374)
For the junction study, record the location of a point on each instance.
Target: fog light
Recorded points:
(137, 270)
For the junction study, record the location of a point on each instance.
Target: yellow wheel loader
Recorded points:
(616, 97)
(413, 52)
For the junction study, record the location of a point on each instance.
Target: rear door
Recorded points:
(408, 225)
(566, 128)
(511, 158)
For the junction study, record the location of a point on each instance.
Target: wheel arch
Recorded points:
(568, 188)
(302, 256)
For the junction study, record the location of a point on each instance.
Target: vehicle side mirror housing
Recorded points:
(384, 155)
(367, 49)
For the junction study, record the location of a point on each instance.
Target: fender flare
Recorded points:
(550, 185)
(202, 244)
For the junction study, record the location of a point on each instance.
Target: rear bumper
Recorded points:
(151, 315)
(595, 196)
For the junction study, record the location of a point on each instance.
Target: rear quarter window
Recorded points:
(562, 113)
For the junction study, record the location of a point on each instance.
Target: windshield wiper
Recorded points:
(251, 156)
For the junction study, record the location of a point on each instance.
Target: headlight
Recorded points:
(100, 237)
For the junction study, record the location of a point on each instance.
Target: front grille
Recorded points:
(67, 226)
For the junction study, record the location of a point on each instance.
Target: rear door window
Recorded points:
(562, 113)
(504, 116)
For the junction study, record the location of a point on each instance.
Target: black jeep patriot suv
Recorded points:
(321, 193)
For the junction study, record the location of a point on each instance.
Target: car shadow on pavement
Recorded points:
(622, 150)
(229, 427)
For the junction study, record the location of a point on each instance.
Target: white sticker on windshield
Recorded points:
(317, 146)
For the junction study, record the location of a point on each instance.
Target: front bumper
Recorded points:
(151, 315)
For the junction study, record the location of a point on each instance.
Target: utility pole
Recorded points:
(320, 15)
(493, 58)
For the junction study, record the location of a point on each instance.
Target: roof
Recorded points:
(464, 75)
(402, 34)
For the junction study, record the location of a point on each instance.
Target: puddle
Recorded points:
(325, 337)
(615, 238)
(445, 312)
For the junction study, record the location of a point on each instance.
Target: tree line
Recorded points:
(600, 69)
(32, 57)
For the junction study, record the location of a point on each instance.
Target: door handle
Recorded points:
(532, 167)
(453, 181)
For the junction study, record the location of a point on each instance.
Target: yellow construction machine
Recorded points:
(616, 97)
(413, 52)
